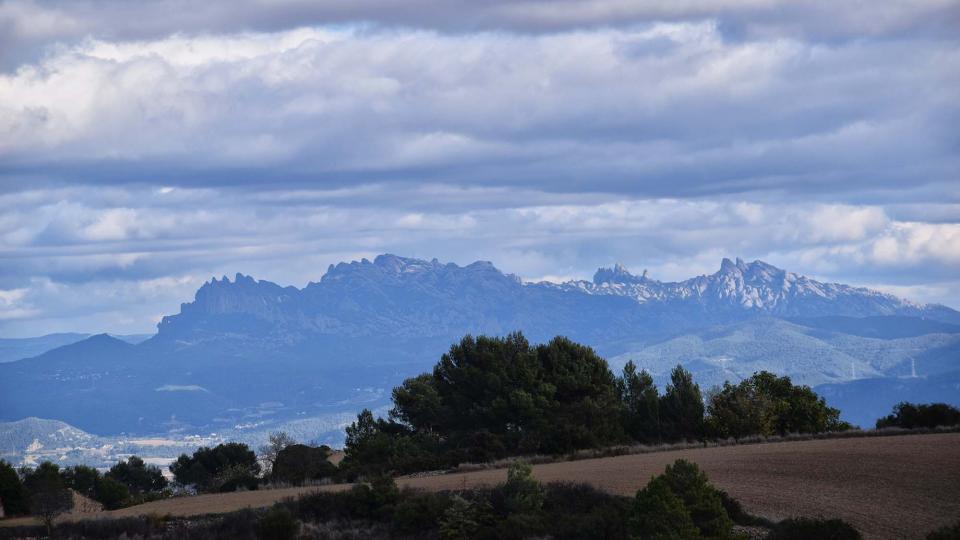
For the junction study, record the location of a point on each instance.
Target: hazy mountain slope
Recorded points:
(18, 348)
(245, 352)
(863, 401)
(19, 436)
(12, 349)
(809, 356)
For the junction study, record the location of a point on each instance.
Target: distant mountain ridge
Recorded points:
(758, 287)
(248, 354)
(12, 349)
(405, 289)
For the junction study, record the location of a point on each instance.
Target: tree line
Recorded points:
(46, 491)
(492, 397)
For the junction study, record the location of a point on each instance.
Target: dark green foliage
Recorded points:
(765, 404)
(681, 407)
(16, 499)
(82, 479)
(277, 524)
(138, 476)
(680, 503)
(659, 514)
(111, 493)
(298, 463)
(947, 532)
(225, 467)
(583, 512)
(909, 416)
(488, 398)
(376, 446)
(701, 500)
(641, 404)
(807, 528)
(460, 521)
(736, 512)
(49, 496)
(106, 490)
(416, 511)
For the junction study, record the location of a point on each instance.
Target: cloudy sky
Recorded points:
(147, 146)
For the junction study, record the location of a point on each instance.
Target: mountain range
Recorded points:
(248, 354)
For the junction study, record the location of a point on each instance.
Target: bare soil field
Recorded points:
(889, 487)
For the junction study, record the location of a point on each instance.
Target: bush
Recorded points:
(583, 512)
(417, 512)
(277, 524)
(807, 528)
(459, 521)
(701, 500)
(658, 514)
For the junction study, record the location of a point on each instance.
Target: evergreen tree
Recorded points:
(15, 498)
(641, 403)
(681, 407)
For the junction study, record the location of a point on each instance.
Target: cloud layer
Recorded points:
(138, 160)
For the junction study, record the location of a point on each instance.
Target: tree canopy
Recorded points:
(765, 404)
(221, 468)
(910, 416)
(492, 397)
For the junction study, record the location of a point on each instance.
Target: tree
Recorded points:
(49, 496)
(701, 500)
(680, 504)
(13, 496)
(278, 440)
(298, 463)
(139, 477)
(681, 407)
(658, 514)
(641, 403)
(909, 416)
(82, 479)
(765, 404)
(111, 493)
(210, 469)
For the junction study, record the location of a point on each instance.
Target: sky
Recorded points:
(146, 147)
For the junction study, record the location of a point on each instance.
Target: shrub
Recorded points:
(459, 521)
(658, 514)
(701, 500)
(277, 524)
(418, 512)
(807, 528)
(583, 512)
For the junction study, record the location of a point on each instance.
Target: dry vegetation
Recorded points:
(890, 487)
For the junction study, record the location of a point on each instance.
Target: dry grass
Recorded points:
(890, 487)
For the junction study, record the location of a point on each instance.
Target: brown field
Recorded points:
(889, 487)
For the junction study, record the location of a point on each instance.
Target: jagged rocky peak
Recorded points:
(394, 267)
(617, 274)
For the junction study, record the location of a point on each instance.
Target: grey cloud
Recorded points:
(569, 112)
